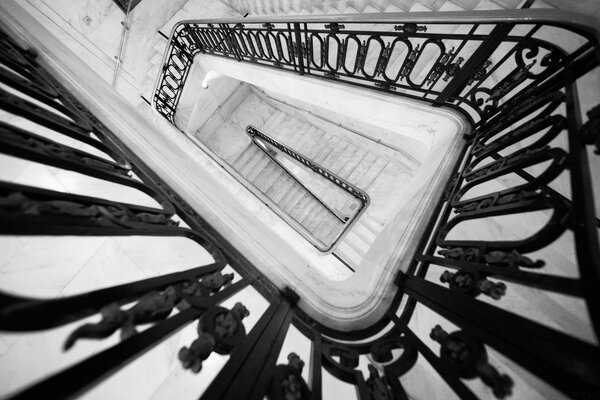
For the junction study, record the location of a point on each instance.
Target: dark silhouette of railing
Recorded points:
(536, 122)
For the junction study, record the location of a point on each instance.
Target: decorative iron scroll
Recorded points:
(528, 153)
(410, 59)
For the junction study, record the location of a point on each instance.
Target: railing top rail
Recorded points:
(548, 16)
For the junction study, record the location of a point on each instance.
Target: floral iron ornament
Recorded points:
(287, 382)
(473, 283)
(469, 357)
(219, 330)
(152, 307)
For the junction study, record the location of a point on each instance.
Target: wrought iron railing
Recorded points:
(459, 60)
(450, 321)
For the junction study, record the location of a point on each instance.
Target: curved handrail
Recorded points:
(447, 79)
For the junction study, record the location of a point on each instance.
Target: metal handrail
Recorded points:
(447, 81)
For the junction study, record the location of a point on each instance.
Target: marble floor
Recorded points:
(57, 266)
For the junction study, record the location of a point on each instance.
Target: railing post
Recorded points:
(481, 55)
(298, 46)
(232, 43)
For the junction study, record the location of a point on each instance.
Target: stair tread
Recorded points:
(357, 243)
(349, 167)
(290, 196)
(267, 176)
(261, 163)
(252, 157)
(344, 158)
(276, 192)
(347, 253)
(333, 158)
(299, 204)
(326, 150)
(244, 157)
(274, 120)
(370, 224)
(289, 128)
(362, 231)
(315, 139)
(310, 212)
(301, 134)
(328, 229)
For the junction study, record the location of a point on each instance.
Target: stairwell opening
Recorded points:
(386, 163)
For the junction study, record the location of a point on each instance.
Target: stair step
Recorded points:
(344, 157)
(326, 150)
(156, 58)
(300, 135)
(279, 177)
(278, 191)
(370, 224)
(248, 158)
(289, 128)
(309, 210)
(257, 167)
(393, 8)
(356, 242)
(274, 121)
(313, 142)
(433, 5)
(314, 219)
(348, 254)
(267, 176)
(371, 9)
(292, 190)
(298, 205)
(252, 111)
(418, 7)
(333, 158)
(370, 175)
(328, 228)
(349, 167)
(244, 157)
(450, 6)
(364, 233)
(160, 46)
(291, 197)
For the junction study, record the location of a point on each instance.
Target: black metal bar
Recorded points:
(27, 314)
(239, 375)
(484, 51)
(316, 370)
(298, 47)
(269, 350)
(561, 360)
(85, 374)
(553, 283)
(447, 372)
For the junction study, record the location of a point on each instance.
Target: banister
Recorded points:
(246, 38)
